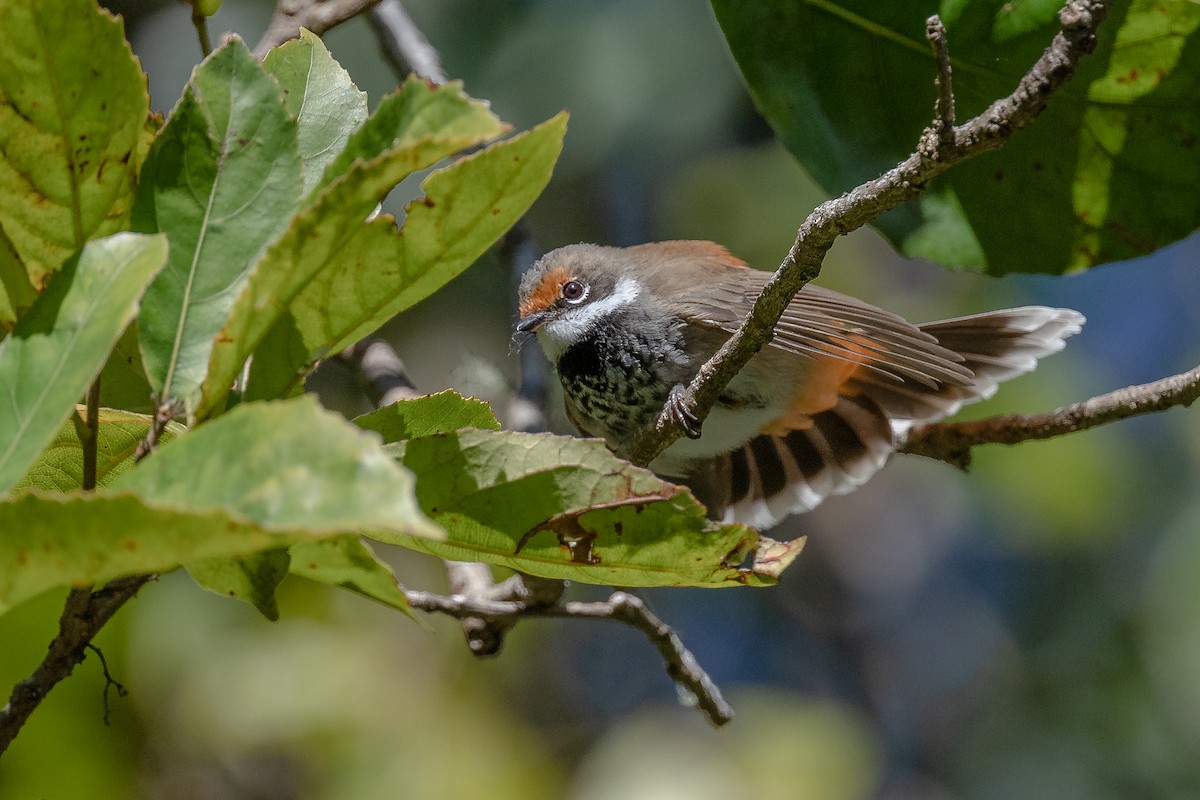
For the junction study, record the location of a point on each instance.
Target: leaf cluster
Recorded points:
(199, 268)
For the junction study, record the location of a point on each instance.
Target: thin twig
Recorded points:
(84, 614)
(952, 441)
(317, 15)
(988, 131)
(680, 664)
(162, 417)
(403, 44)
(935, 32)
(109, 680)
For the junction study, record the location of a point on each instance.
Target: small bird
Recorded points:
(815, 413)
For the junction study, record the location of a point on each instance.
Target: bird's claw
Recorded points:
(679, 407)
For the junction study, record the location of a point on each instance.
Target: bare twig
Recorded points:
(680, 664)
(952, 441)
(988, 131)
(405, 47)
(84, 614)
(162, 417)
(109, 680)
(316, 15)
(935, 32)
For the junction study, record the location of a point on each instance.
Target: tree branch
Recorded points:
(935, 32)
(316, 15)
(84, 614)
(680, 664)
(952, 441)
(988, 131)
(405, 47)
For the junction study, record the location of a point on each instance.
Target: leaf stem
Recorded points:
(200, 21)
(91, 437)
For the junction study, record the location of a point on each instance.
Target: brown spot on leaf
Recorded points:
(1128, 77)
(130, 545)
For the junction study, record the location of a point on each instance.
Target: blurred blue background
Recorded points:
(1030, 629)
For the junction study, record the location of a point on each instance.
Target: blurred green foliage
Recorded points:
(1025, 630)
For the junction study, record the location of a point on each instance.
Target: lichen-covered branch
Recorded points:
(952, 441)
(934, 156)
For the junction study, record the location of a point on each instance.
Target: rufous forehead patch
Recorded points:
(546, 293)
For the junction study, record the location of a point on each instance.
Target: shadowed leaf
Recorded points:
(1108, 171)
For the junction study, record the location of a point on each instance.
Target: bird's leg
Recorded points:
(680, 409)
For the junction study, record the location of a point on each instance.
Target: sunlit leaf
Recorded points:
(323, 234)
(221, 180)
(73, 103)
(59, 346)
(424, 416)
(286, 464)
(567, 508)
(327, 105)
(381, 272)
(59, 468)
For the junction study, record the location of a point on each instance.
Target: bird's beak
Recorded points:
(531, 322)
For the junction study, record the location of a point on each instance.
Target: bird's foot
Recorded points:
(679, 407)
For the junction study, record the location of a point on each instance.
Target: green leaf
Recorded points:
(443, 412)
(123, 382)
(47, 541)
(566, 508)
(416, 117)
(59, 346)
(348, 563)
(381, 272)
(319, 236)
(60, 466)
(221, 180)
(327, 105)
(287, 464)
(251, 578)
(73, 102)
(1107, 172)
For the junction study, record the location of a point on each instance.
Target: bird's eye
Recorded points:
(573, 291)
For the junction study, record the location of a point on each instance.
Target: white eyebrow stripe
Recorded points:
(574, 325)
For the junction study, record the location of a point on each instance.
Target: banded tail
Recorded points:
(774, 475)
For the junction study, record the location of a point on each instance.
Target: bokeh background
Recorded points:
(1028, 630)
